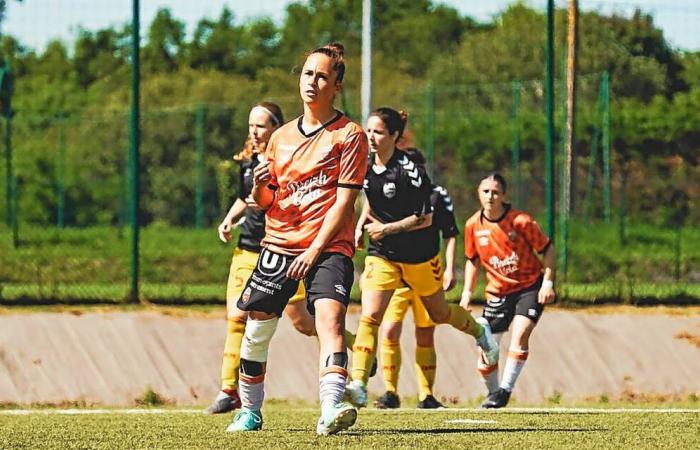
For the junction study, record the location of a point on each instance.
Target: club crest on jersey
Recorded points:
(246, 296)
(389, 190)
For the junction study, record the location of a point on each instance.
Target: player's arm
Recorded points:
(378, 230)
(232, 216)
(263, 190)
(449, 279)
(546, 293)
(361, 221)
(471, 274)
(343, 208)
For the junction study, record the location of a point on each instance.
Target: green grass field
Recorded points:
(294, 427)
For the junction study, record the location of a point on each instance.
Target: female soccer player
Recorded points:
(444, 222)
(313, 173)
(505, 241)
(263, 119)
(402, 251)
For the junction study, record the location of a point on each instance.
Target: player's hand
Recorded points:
(301, 265)
(546, 295)
(224, 230)
(375, 230)
(466, 300)
(261, 174)
(359, 238)
(449, 280)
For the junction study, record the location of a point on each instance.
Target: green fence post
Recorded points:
(549, 113)
(515, 148)
(430, 127)
(594, 153)
(199, 168)
(563, 247)
(6, 90)
(61, 171)
(15, 213)
(606, 145)
(134, 142)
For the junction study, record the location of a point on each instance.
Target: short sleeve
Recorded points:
(353, 161)
(528, 227)
(242, 194)
(415, 186)
(443, 212)
(469, 244)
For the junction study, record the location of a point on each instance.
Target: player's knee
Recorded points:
(424, 336)
(392, 331)
(256, 340)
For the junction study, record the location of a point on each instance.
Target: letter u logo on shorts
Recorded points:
(271, 264)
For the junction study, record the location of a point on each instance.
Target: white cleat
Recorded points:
(487, 343)
(338, 418)
(356, 393)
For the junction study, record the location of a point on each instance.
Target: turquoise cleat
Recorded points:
(338, 418)
(246, 420)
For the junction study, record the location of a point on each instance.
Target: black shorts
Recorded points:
(268, 289)
(500, 311)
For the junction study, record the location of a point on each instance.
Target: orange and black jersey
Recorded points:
(394, 192)
(253, 227)
(306, 170)
(506, 247)
(444, 219)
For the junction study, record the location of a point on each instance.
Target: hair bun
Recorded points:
(337, 47)
(404, 116)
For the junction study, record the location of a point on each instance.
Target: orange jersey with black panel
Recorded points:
(307, 170)
(506, 247)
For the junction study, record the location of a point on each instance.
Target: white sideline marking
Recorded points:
(68, 412)
(470, 421)
(23, 412)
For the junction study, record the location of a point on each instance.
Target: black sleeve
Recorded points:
(242, 194)
(443, 215)
(416, 188)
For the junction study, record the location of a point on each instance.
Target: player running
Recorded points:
(403, 250)
(264, 118)
(312, 175)
(444, 222)
(505, 241)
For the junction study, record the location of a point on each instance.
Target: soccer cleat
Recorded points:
(338, 418)
(487, 343)
(430, 402)
(246, 420)
(356, 393)
(497, 399)
(224, 402)
(388, 401)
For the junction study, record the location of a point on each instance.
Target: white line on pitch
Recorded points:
(470, 421)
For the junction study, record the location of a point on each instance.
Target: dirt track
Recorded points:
(110, 358)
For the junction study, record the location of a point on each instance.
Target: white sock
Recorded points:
(489, 374)
(514, 365)
(252, 394)
(332, 387)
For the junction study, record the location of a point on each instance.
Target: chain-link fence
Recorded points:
(632, 235)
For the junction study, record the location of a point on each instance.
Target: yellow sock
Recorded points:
(349, 338)
(232, 354)
(391, 364)
(364, 349)
(461, 319)
(426, 361)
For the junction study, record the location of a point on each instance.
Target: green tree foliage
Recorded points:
(227, 66)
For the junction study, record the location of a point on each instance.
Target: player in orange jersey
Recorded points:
(505, 241)
(308, 184)
(403, 249)
(264, 118)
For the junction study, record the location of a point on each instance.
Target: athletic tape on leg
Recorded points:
(256, 340)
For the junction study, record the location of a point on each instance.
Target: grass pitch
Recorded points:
(294, 427)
